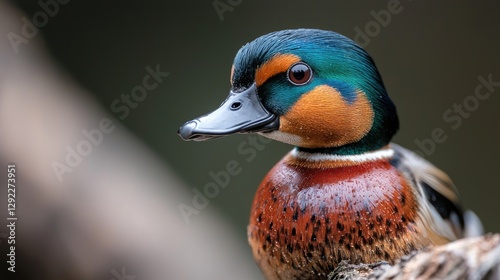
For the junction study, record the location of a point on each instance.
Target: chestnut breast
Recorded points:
(304, 220)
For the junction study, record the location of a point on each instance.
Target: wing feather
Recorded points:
(440, 207)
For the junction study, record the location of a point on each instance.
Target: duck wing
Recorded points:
(440, 201)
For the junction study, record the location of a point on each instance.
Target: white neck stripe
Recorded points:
(370, 156)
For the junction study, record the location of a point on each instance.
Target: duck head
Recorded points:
(314, 89)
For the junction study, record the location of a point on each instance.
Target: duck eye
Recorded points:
(299, 74)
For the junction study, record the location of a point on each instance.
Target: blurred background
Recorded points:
(119, 210)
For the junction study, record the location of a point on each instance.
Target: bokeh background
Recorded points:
(430, 56)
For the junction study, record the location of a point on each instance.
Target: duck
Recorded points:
(345, 192)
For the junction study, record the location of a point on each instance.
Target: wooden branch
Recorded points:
(469, 258)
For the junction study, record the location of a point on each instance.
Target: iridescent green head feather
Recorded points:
(323, 89)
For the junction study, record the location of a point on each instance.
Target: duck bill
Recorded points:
(241, 112)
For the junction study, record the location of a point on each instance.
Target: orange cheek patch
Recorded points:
(277, 64)
(322, 118)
